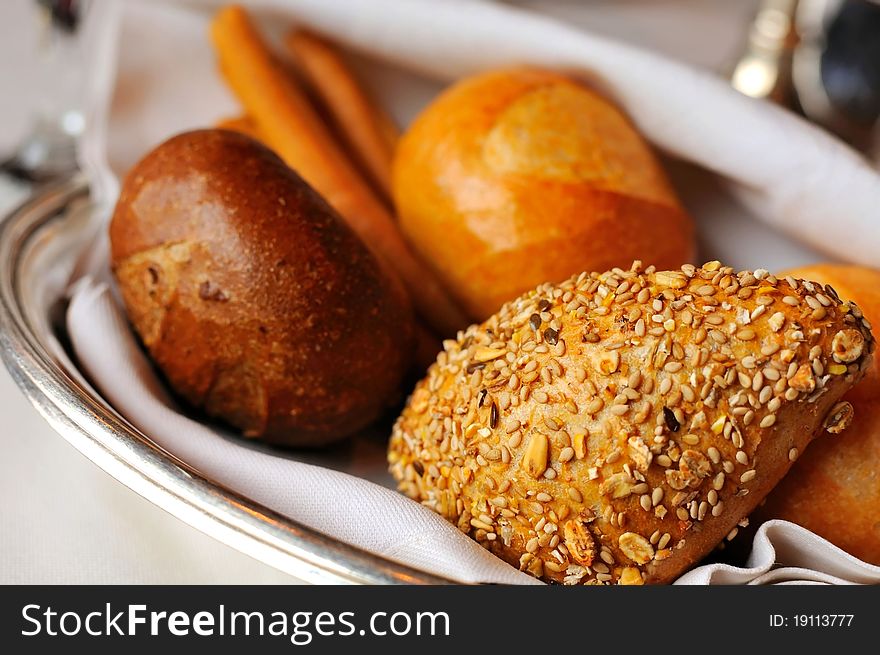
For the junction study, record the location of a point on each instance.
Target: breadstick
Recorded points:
(242, 124)
(368, 131)
(295, 131)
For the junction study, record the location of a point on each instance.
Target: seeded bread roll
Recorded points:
(616, 427)
(834, 489)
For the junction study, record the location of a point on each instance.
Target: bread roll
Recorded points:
(253, 297)
(834, 488)
(515, 177)
(616, 427)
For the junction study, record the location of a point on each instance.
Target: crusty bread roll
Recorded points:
(253, 297)
(834, 489)
(515, 177)
(616, 427)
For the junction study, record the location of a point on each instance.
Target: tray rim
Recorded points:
(130, 457)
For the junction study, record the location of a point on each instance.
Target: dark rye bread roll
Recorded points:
(253, 297)
(616, 427)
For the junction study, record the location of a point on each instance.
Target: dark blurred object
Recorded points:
(821, 58)
(836, 68)
(63, 13)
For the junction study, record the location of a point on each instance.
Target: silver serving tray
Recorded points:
(40, 243)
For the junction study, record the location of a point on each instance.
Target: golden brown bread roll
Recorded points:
(616, 427)
(515, 177)
(834, 488)
(253, 297)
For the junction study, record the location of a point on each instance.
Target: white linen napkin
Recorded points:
(785, 170)
(349, 508)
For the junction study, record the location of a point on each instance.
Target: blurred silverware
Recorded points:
(49, 152)
(821, 58)
(836, 67)
(764, 70)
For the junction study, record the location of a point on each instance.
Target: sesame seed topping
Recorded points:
(659, 389)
